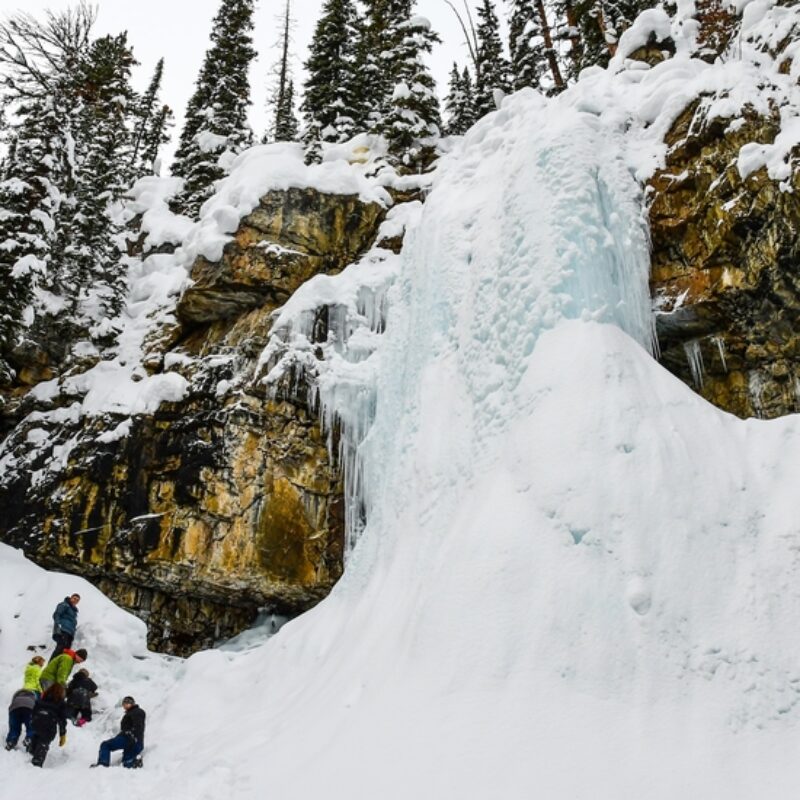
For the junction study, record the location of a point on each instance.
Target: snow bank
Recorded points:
(118, 662)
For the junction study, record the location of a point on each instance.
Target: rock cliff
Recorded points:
(725, 272)
(227, 501)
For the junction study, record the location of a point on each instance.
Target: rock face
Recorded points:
(725, 272)
(229, 500)
(289, 238)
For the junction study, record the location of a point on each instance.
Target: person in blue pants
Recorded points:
(130, 738)
(19, 714)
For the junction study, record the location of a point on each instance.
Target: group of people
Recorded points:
(46, 702)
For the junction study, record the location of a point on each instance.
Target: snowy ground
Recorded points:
(578, 580)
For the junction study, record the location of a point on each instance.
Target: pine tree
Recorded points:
(594, 28)
(155, 137)
(493, 69)
(330, 99)
(216, 116)
(312, 142)
(413, 121)
(41, 63)
(29, 204)
(534, 59)
(285, 126)
(459, 107)
(152, 120)
(91, 271)
(378, 52)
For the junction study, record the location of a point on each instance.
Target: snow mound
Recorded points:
(118, 661)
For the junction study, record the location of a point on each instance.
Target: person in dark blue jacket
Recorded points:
(65, 623)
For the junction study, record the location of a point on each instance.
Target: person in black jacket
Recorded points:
(80, 692)
(49, 715)
(130, 739)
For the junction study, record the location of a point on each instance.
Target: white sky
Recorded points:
(179, 30)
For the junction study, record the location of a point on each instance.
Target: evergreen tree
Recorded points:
(330, 103)
(285, 127)
(91, 271)
(41, 63)
(534, 59)
(594, 28)
(413, 122)
(459, 107)
(493, 69)
(155, 137)
(312, 141)
(29, 204)
(152, 120)
(379, 58)
(216, 116)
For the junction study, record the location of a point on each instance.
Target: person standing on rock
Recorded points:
(49, 716)
(65, 623)
(59, 669)
(130, 738)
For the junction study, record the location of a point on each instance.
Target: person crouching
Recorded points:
(130, 739)
(80, 692)
(49, 716)
(19, 714)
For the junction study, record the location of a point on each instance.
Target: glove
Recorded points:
(62, 740)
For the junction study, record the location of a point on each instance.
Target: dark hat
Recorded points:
(128, 699)
(81, 654)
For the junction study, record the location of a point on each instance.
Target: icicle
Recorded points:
(755, 391)
(721, 348)
(694, 357)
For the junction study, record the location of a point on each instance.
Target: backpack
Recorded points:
(45, 724)
(78, 698)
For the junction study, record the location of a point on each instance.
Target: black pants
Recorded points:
(38, 748)
(62, 640)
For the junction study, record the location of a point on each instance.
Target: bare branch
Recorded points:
(473, 50)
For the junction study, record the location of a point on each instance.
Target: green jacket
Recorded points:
(58, 669)
(32, 674)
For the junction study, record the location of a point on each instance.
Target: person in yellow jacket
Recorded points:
(33, 672)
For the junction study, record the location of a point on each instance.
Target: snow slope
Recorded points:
(578, 579)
